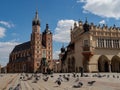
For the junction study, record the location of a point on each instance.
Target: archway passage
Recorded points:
(103, 64)
(115, 64)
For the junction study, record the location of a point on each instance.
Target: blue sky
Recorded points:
(16, 20)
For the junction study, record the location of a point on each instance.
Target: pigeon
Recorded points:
(80, 84)
(74, 75)
(45, 79)
(37, 78)
(64, 75)
(68, 75)
(66, 78)
(91, 82)
(113, 76)
(20, 78)
(52, 76)
(77, 80)
(77, 75)
(58, 81)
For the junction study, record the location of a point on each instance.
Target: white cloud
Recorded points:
(103, 8)
(5, 49)
(56, 54)
(2, 32)
(3, 27)
(7, 24)
(62, 31)
(78, 1)
(102, 22)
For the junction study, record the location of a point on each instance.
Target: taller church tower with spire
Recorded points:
(36, 39)
(34, 55)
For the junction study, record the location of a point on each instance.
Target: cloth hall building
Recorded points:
(34, 55)
(92, 48)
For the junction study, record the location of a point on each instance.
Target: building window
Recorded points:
(37, 55)
(49, 39)
(37, 64)
(37, 51)
(49, 52)
(49, 57)
(86, 43)
(37, 47)
(43, 53)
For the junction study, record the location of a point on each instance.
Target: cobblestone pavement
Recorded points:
(104, 81)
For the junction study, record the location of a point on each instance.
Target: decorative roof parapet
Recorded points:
(92, 26)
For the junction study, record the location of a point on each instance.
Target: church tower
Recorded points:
(36, 45)
(47, 41)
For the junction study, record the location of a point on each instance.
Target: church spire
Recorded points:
(36, 15)
(36, 20)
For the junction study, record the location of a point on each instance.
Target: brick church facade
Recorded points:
(34, 55)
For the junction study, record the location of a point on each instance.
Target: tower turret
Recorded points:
(47, 31)
(86, 26)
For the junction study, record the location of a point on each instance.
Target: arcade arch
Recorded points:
(103, 64)
(115, 64)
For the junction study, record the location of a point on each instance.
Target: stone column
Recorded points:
(105, 43)
(109, 66)
(97, 42)
(108, 43)
(112, 43)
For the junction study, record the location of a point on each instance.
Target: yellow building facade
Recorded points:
(92, 48)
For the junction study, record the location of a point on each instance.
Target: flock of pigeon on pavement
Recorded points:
(61, 78)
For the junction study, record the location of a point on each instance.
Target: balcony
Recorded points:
(87, 51)
(86, 48)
